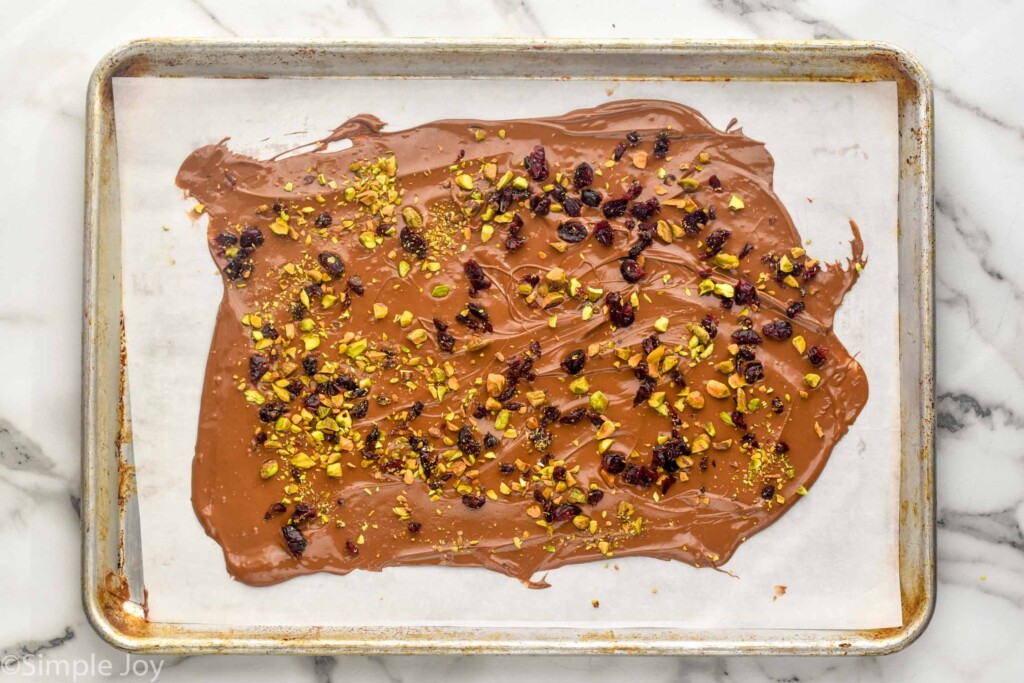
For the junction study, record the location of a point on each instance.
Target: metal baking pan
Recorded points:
(112, 587)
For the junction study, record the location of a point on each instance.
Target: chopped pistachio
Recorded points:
(268, 469)
(464, 181)
(440, 291)
(725, 290)
(380, 311)
(736, 204)
(579, 386)
(689, 184)
(405, 318)
(501, 421)
(695, 400)
(302, 461)
(717, 389)
(599, 402)
(799, 344)
(726, 261)
(403, 268)
(812, 380)
(661, 324)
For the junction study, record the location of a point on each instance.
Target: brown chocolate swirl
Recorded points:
(511, 344)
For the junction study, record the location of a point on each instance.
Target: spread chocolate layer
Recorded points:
(511, 344)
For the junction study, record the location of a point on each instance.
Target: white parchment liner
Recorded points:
(835, 148)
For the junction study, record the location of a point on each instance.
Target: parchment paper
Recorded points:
(835, 147)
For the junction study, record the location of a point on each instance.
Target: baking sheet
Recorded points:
(835, 146)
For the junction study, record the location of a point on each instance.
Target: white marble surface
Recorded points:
(971, 49)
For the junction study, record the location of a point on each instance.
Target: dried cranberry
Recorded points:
(564, 512)
(644, 392)
(781, 448)
(811, 271)
(251, 237)
(649, 343)
(613, 462)
(640, 475)
(536, 164)
(620, 149)
(445, 340)
(294, 540)
(506, 468)
(466, 442)
(360, 409)
(738, 420)
(768, 492)
(323, 220)
(777, 405)
(779, 330)
(715, 183)
(478, 280)
(274, 510)
(594, 496)
(312, 402)
(745, 293)
(573, 363)
(351, 548)
(514, 242)
(631, 270)
(747, 248)
(795, 308)
(584, 176)
(603, 233)
(753, 373)
(540, 204)
(710, 325)
(303, 513)
(572, 207)
(269, 412)
(573, 416)
(661, 145)
(238, 268)
(572, 232)
(644, 210)
(817, 355)
(619, 312)
(744, 336)
(633, 138)
(591, 198)
(258, 366)
(412, 242)
(473, 502)
(331, 263)
(414, 528)
(615, 208)
(693, 222)
(715, 241)
(226, 239)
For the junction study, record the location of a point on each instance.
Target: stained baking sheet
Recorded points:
(835, 146)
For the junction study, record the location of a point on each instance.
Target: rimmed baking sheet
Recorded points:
(837, 152)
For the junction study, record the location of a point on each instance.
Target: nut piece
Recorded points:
(640, 159)
(579, 386)
(599, 402)
(812, 380)
(380, 311)
(661, 324)
(412, 217)
(268, 469)
(695, 400)
(736, 204)
(799, 344)
(464, 181)
(717, 389)
(495, 384)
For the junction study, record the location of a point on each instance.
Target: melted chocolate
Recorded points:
(435, 489)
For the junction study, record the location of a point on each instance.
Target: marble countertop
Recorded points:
(47, 53)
